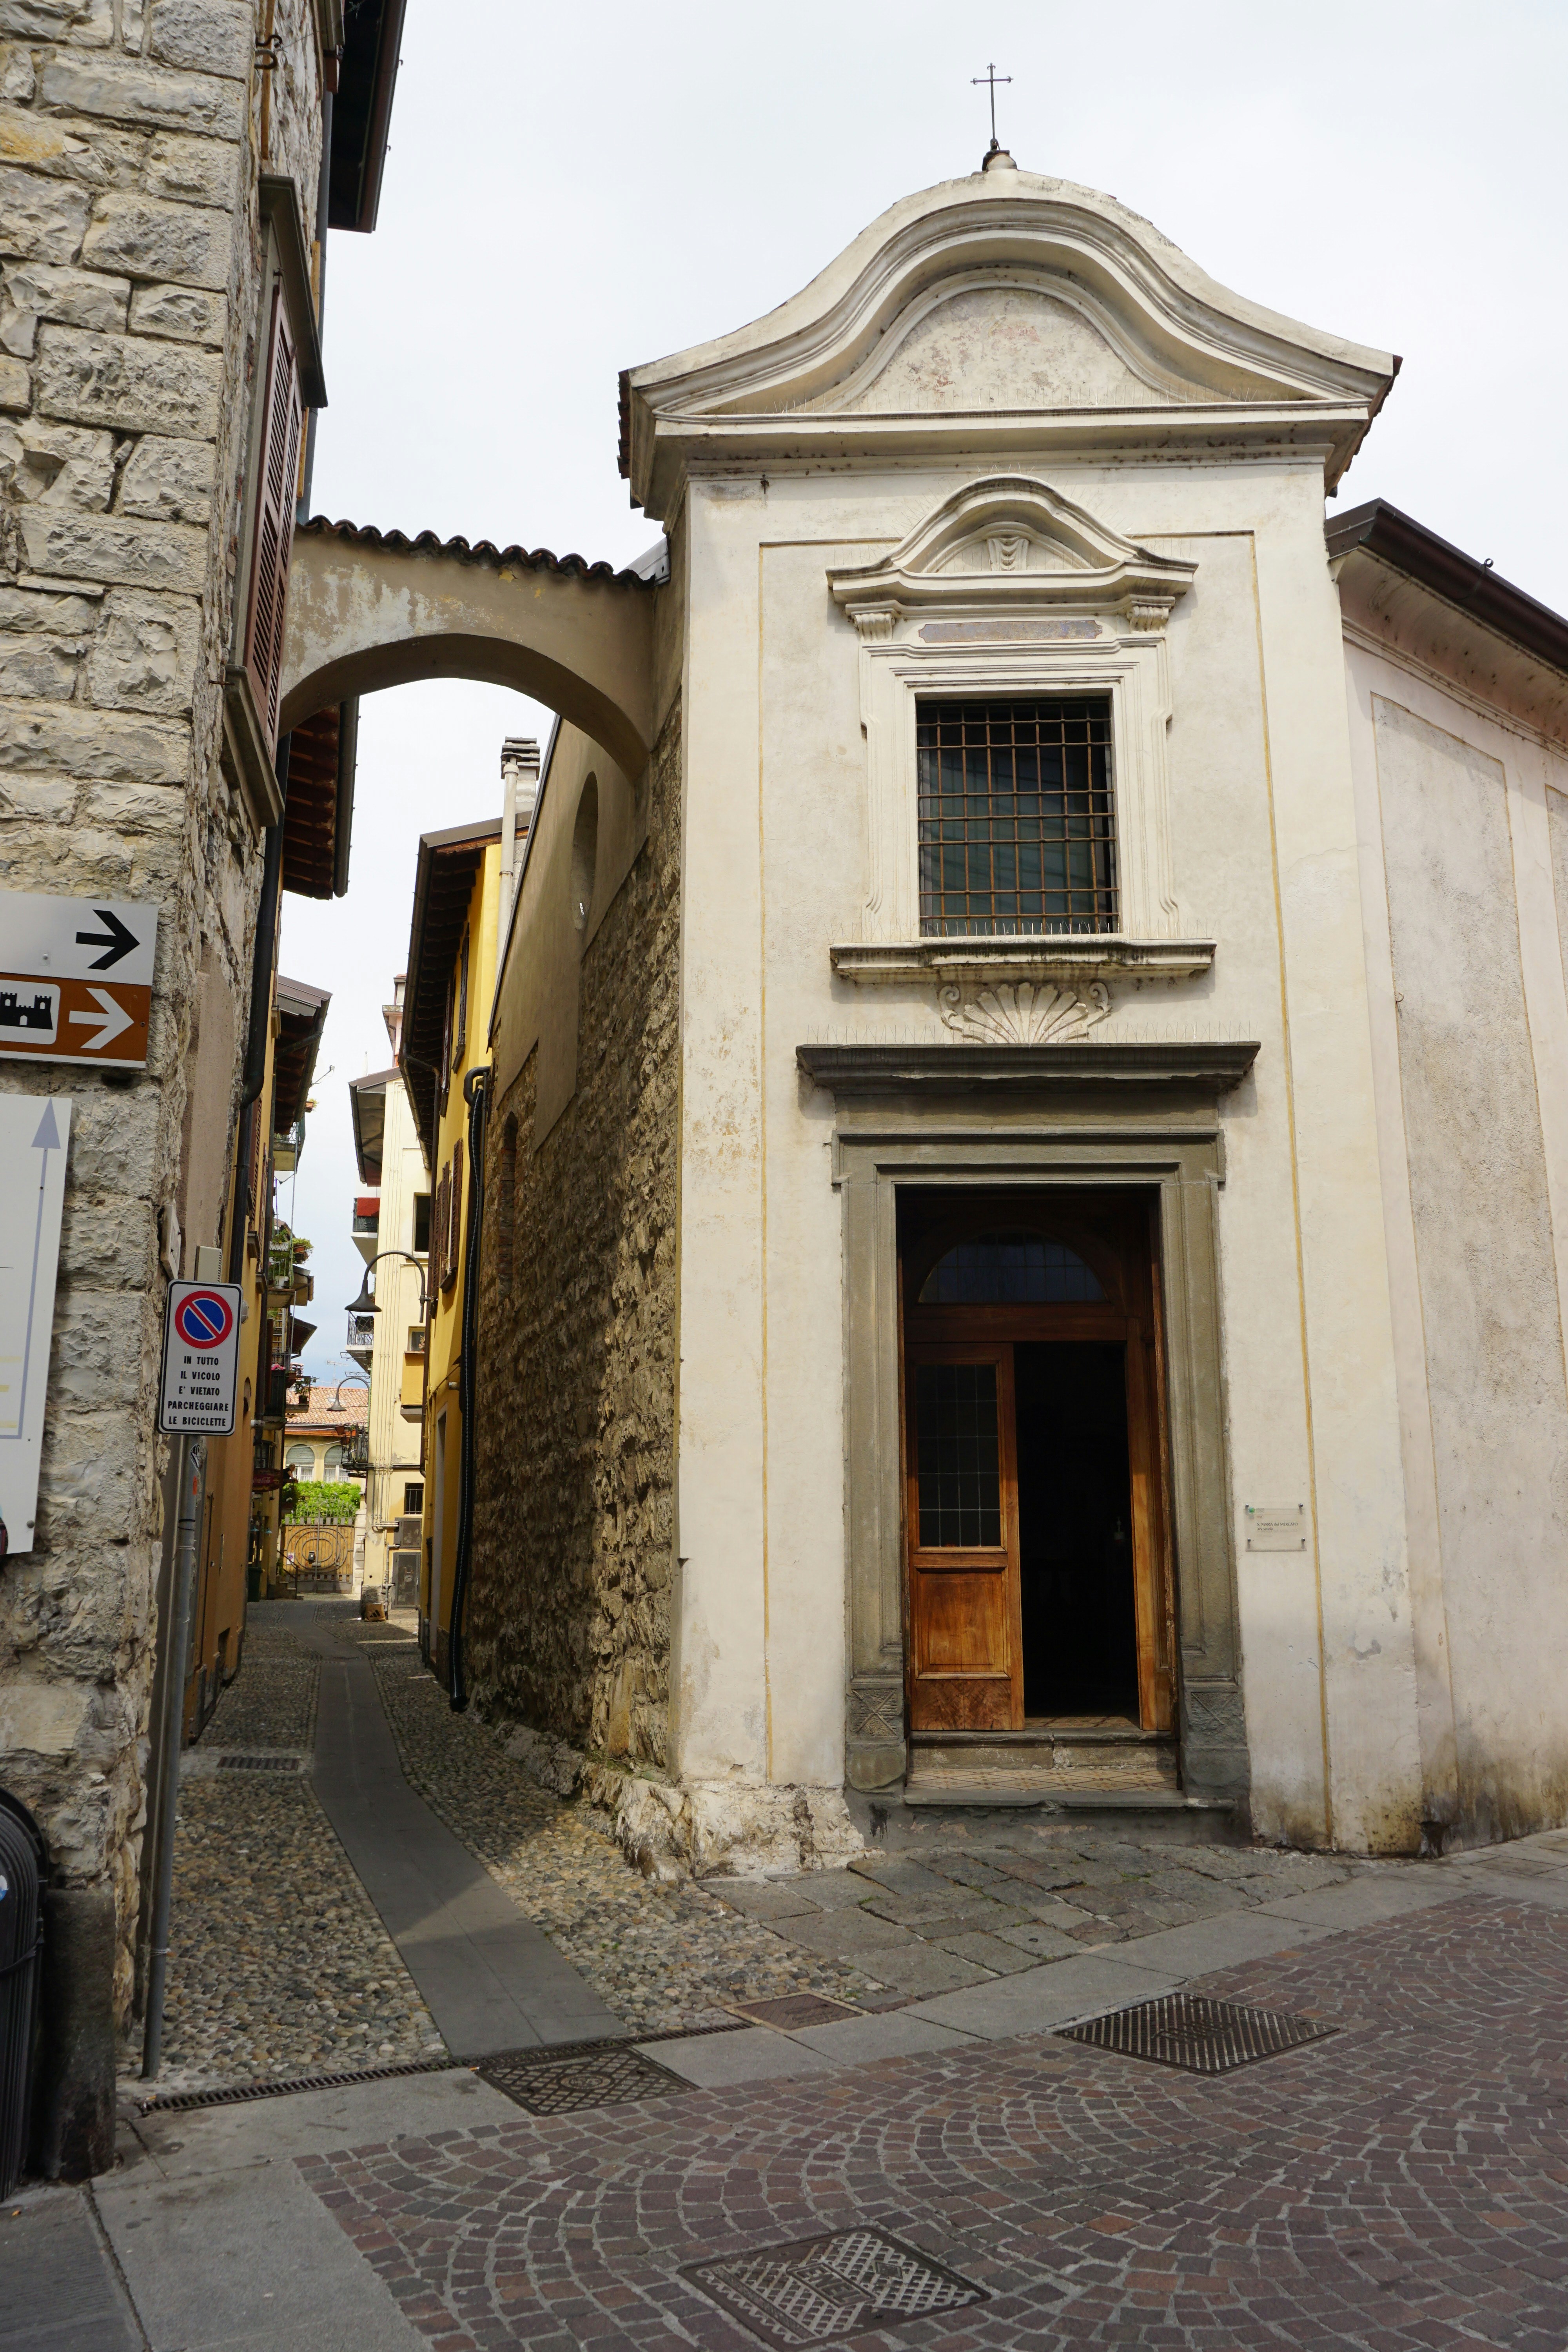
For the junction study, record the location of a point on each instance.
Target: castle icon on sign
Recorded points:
(16, 1014)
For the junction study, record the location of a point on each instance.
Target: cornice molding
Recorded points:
(872, 1066)
(1082, 956)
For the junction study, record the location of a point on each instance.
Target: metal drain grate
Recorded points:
(577, 2075)
(829, 2287)
(791, 2009)
(236, 2095)
(260, 1764)
(1205, 2037)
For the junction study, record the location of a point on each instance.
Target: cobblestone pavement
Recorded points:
(279, 1965)
(661, 1956)
(271, 1702)
(1399, 2186)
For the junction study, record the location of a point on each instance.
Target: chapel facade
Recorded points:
(1031, 1133)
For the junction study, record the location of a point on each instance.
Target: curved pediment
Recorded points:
(1012, 542)
(1006, 340)
(1003, 296)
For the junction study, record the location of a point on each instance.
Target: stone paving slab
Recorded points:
(1400, 2186)
(750, 2054)
(1049, 1996)
(59, 2290)
(248, 2261)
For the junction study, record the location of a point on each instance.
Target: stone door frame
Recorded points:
(1168, 1137)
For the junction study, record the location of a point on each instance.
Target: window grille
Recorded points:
(1017, 826)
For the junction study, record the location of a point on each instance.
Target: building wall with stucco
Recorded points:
(1459, 742)
(1012, 443)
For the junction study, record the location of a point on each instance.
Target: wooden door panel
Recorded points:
(965, 1647)
(962, 1627)
(962, 1702)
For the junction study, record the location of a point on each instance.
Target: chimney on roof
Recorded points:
(520, 796)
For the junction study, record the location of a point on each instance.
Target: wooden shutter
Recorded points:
(455, 1243)
(272, 537)
(440, 1236)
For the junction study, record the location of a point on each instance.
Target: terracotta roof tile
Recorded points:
(538, 559)
(324, 1411)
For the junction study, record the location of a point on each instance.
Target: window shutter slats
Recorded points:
(455, 1230)
(273, 533)
(440, 1239)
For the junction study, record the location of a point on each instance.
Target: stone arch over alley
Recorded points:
(369, 609)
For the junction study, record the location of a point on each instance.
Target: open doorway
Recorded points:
(1038, 1581)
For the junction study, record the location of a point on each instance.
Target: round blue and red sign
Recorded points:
(204, 1319)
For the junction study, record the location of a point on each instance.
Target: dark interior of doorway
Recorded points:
(1080, 1638)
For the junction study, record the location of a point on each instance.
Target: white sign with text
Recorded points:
(35, 1131)
(201, 1359)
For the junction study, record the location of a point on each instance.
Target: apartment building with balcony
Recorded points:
(391, 1214)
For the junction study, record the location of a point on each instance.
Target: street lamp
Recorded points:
(365, 1303)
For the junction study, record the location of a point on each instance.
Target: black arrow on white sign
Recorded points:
(117, 939)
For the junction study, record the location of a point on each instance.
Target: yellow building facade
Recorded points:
(443, 1056)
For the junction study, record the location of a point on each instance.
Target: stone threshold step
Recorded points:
(1043, 1737)
(1057, 1800)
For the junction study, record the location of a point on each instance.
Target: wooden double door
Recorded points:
(1039, 1584)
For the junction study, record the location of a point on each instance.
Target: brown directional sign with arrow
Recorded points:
(76, 979)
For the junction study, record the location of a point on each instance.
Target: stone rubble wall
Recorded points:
(569, 1610)
(129, 265)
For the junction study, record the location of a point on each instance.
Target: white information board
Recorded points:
(35, 1131)
(1277, 1526)
(201, 1359)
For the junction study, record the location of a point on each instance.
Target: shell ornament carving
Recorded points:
(1023, 1012)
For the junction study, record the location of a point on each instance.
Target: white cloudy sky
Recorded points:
(571, 192)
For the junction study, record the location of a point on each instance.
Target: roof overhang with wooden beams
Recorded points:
(319, 803)
(301, 1017)
(443, 887)
(367, 1108)
(362, 111)
(1401, 585)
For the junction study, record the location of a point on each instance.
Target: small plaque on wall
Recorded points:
(1276, 1526)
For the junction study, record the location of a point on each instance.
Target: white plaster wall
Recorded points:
(1264, 841)
(1465, 859)
(721, 1697)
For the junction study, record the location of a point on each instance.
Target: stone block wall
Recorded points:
(569, 1610)
(132, 136)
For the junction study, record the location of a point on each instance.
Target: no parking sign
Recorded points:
(201, 1359)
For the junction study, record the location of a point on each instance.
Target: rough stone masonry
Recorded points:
(133, 138)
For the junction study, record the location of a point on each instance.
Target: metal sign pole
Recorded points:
(192, 1467)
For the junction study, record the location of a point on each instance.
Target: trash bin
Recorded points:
(21, 1857)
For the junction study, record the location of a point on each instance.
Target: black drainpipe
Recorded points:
(475, 1093)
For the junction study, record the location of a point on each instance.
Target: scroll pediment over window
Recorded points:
(1013, 545)
(1008, 624)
